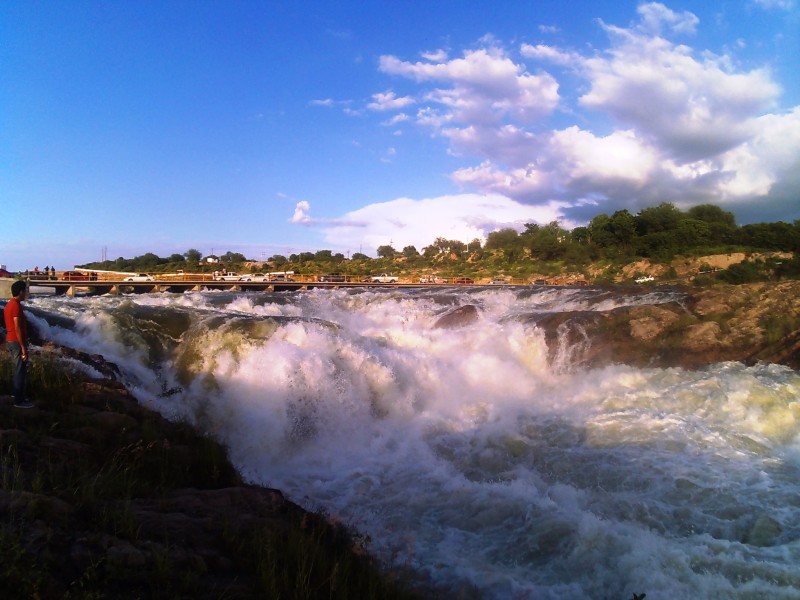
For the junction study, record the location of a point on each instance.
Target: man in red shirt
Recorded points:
(17, 342)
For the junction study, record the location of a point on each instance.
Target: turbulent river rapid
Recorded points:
(465, 454)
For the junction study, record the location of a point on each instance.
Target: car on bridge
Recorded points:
(254, 277)
(332, 278)
(140, 277)
(229, 276)
(463, 280)
(75, 276)
(384, 278)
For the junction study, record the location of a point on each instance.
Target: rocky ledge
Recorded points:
(747, 323)
(102, 498)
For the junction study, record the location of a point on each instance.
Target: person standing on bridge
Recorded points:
(17, 342)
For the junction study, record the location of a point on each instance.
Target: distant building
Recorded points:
(211, 258)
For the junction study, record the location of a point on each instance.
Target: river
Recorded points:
(463, 453)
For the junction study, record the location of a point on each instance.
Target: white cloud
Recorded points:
(389, 101)
(301, 211)
(484, 86)
(676, 124)
(397, 119)
(770, 157)
(435, 56)
(690, 107)
(656, 17)
(779, 4)
(404, 221)
(550, 54)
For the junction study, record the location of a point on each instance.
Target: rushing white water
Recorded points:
(461, 452)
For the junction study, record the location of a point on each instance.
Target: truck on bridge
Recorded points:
(383, 278)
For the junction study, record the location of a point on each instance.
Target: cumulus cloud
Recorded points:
(389, 101)
(408, 222)
(435, 56)
(483, 86)
(651, 120)
(687, 125)
(691, 107)
(657, 17)
(301, 211)
(550, 53)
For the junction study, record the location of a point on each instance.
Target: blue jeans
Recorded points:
(20, 372)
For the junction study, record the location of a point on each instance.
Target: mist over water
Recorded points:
(461, 452)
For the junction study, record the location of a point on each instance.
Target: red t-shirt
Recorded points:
(14, 309)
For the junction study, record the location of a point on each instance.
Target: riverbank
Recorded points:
(102, 498)
(750, 323)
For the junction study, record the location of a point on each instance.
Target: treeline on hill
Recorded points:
(658, 233)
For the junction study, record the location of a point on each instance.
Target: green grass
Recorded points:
(82, 478)
(777, 326)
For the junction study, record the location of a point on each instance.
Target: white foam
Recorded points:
(460, 452)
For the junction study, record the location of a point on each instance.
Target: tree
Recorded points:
(147, 259)
(664, 217)
(712, 214)
(176, 258)
(546, 243)
(193, 256)
(410, 252)
(323, 255)
(692, 233)
(474, 246)
(457, 247)
(770, 236)
(503, 238)
(599, 231)
(386, 251)
(360, 256)
(622, 226)
(581, 235)
(233, 257)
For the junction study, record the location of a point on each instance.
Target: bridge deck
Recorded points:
(110, 286)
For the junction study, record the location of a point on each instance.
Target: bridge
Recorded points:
(178, 285)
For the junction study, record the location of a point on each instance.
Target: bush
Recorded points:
(744, 272)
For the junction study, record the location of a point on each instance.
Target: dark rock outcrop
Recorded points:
(103, 498)
(747, 323)
(457, 317)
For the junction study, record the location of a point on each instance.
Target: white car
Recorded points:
(140, 277)
(227, 277)
(255, 277)
(384, 278)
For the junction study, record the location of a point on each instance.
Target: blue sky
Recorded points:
(278, 127)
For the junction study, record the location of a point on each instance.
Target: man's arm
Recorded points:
(19, 327)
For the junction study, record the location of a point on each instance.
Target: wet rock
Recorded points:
(747, 323)
(458, 317)
(764, 532)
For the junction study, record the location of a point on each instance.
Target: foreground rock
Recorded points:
(747, 323)
(101, 498)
